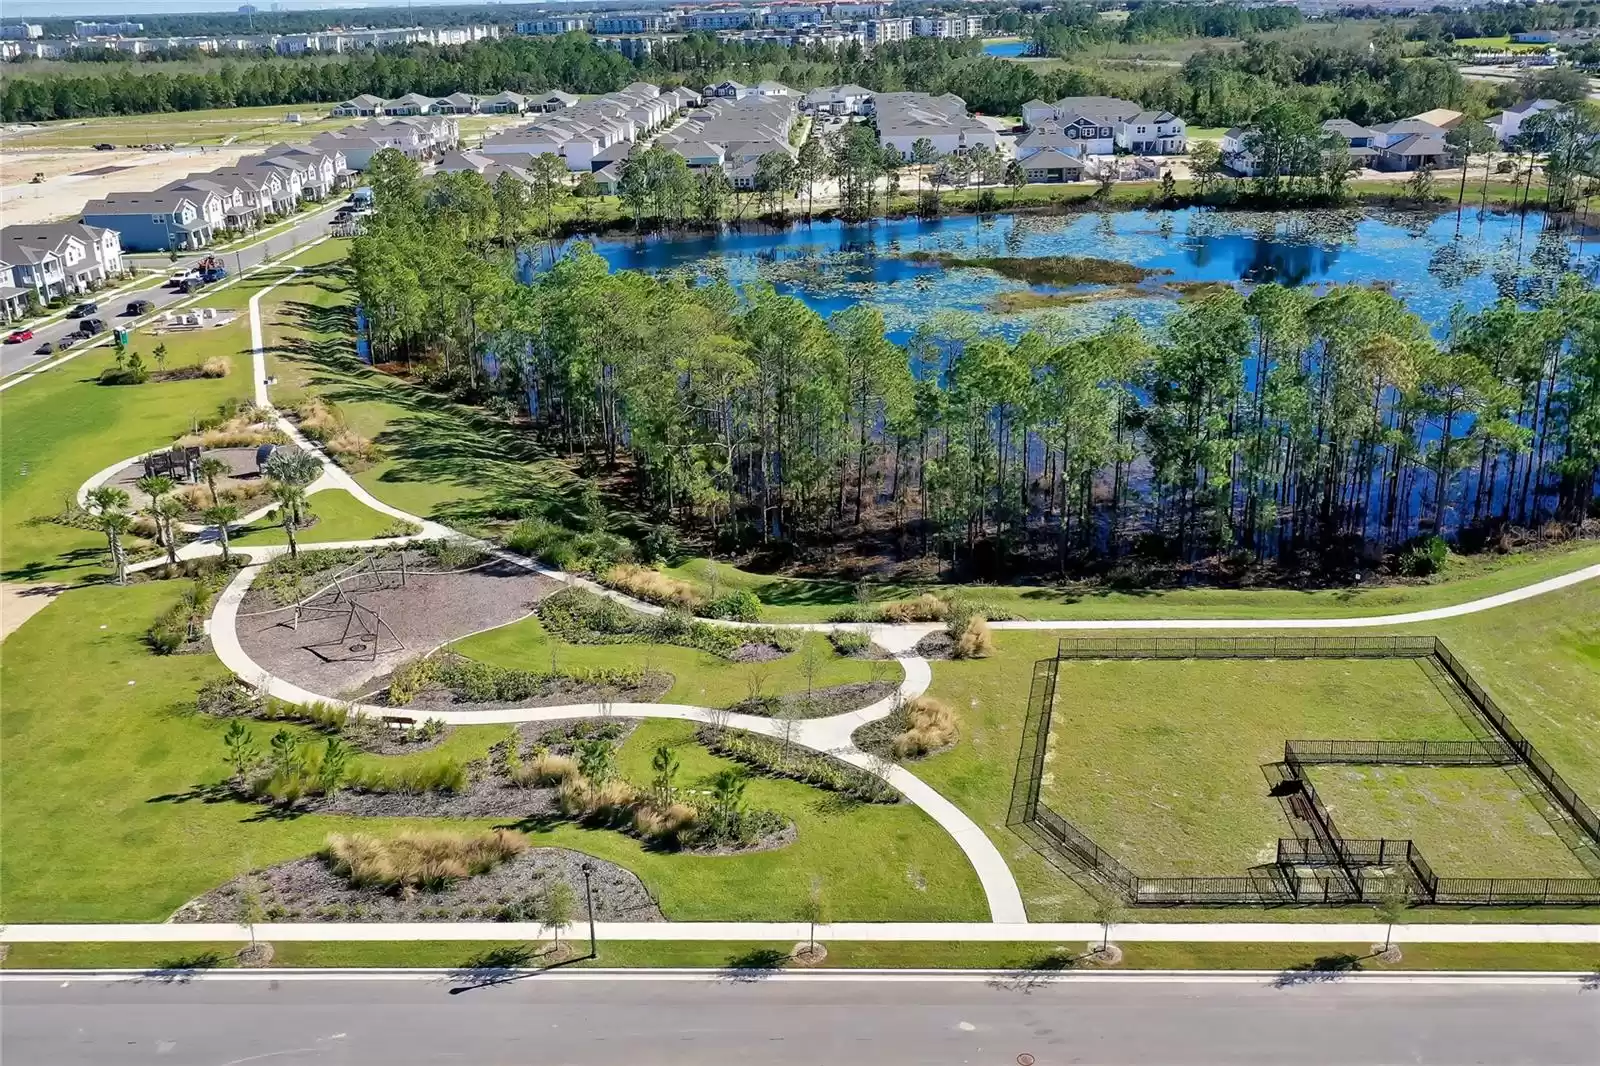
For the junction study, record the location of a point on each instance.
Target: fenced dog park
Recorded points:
(1292, 770)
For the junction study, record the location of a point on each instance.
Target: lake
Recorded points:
(1005, 49)
(831, 265)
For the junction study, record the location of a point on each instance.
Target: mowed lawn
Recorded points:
(1469, 821)
(698, 677)
(61, 427)
(340, 516)
(1161, 762)
(106, 816)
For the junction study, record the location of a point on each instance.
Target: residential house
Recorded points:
(1357, 138)
(364, 106)
(56, 258)
(1152, 133)
(1442, 117)
(159, 221)
(456, 104)
(553, 101)
(773, 88)
(15, 298)
(730, 89)
(845, 99)
(489, 167)
(1409, 144)
(1236, 153)
(243, 208)
(323, 170)
(409, 104)
(1053, 165)
(905, 118)
(1508, 125)
(506, 103)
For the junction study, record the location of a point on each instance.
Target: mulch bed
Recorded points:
(488, 794)
(557, 694)
(935, 646)
(306, 890)
(431, 609)
(877, 738)
(757, 653)
(820, 703)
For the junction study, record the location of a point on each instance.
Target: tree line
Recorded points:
(1070, 28)
(1213, 88)
(1283, 424)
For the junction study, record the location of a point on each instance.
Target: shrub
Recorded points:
(400, 527)
(1424, 558)
(582, 617)
(447, 775)
(546, 769)
(651, 585)
(227, 697)
(740, 605)
(429, 860)
(930, 725)
(774, 758)
(454, 553)
(216, 367)
(925, 608)
(969, 631)
(660, 544)
(849, 641)
(856, 613)
(479, 682)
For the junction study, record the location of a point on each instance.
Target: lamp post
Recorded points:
(588, 896)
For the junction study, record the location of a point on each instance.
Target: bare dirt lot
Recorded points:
(67, 186)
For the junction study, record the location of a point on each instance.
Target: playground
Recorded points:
(340, 628)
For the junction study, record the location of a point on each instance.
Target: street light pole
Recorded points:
(588, 895)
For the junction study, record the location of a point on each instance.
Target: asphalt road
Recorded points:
(18, 357)
(837, 1023)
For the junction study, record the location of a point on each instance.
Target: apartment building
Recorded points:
(57, 258)
(159, 221)
(947, 26)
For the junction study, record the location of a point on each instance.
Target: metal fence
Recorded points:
(1245, 647)
(1563, 793)
(1401, 752)
(1325, 868)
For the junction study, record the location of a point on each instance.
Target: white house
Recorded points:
(506, 103)
(1152, 133)
(363, 106)
(845, 99)
(60, 257)
(1508, 124)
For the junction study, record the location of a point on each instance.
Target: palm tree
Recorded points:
(166, 511)
(212, 468)
(156, 487)
(290, 473)
(222, 515)
(110, 506)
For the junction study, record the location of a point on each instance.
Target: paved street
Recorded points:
(839, 1022)
(18, 357)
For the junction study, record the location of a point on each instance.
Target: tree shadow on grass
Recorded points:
(752, 966)
(1324, 969)
(213, 793)
(181, 970)
(505, 964)
(1038, 972)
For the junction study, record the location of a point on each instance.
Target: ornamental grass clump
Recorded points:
(426, 860)
(925, 608)
(969, 632)
(930, 725)
(652, 586)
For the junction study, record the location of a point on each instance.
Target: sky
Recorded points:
(36, 9)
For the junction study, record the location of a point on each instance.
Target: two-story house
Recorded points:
(241, 208)
(1152, 133)
(14, 298)
(54, 258)
(159, 221)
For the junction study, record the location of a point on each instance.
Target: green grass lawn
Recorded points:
(340, 516)
(1539, 659)
(1160, 762)
(1027, 959)
(1469, 821)
(697, 677)
(1465, 578)
(61, 427)
(105, 816)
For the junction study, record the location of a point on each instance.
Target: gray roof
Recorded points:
(1097, 107)
(1050, 158)
(1345, 128)
(1419, 144)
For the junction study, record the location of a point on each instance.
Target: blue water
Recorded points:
(832, 266)
(1005, 49)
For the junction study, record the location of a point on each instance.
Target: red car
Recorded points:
(18, 336)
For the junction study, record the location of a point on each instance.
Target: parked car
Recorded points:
(105, 147)
(45, 349)
(20, 335)
(84, 309)
(90, 326)
(139, 307)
